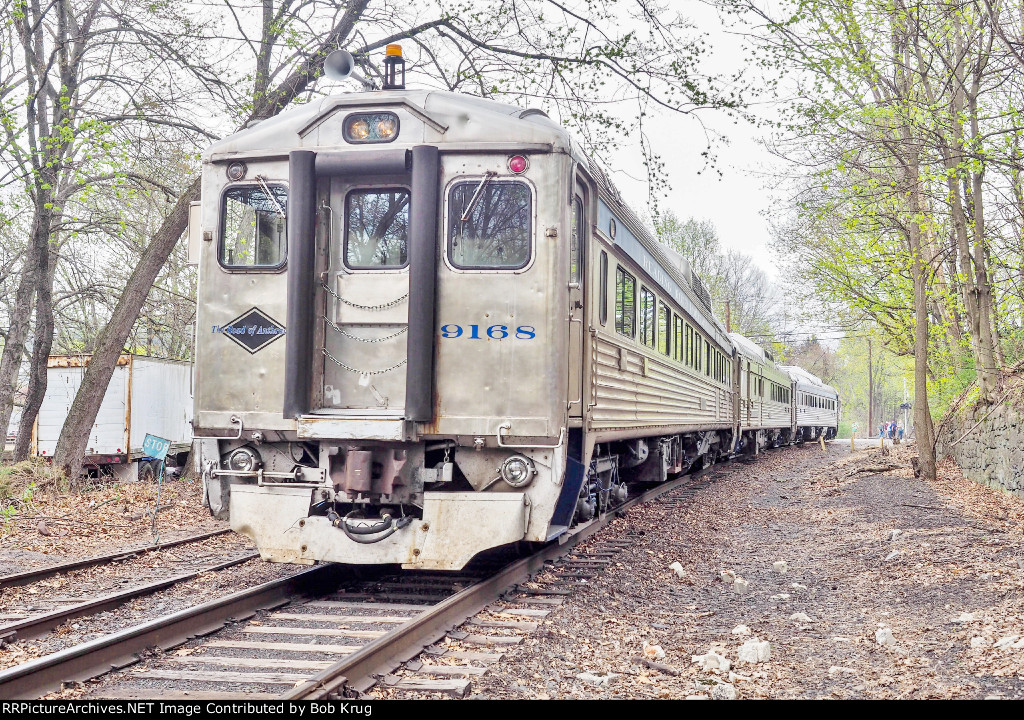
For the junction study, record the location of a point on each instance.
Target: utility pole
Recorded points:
(871, 393)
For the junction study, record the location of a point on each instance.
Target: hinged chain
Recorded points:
(382, 306)
(362, 373)
(361, 339)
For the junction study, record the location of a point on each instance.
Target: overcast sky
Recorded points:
(733, 195)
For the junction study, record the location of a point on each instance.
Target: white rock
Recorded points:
(780, 596)
(677, 568)
(598, 680)
(980, 642)
(733, 678)
(800, 617)
(741, 586)
(653, 652)
(713, 661)
(725, 691)
(755, 651)
(892, 556)
(884, 636)
(728, 577)
(965, 617)
(1018, 645)
(798, 586)
(741, 630)
(893, 534)
(1007, 641)
(836, 669)
(781, 566)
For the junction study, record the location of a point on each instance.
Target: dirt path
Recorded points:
(932, 570)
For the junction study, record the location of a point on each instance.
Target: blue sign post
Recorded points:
(156, 448)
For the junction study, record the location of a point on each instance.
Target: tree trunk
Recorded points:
(14, 348)
(74, 435)
(41, 345)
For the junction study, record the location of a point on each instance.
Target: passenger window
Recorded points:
(377, 228)
(625, 303)
(646, 317)
(678, 338)
(254, 227)
(664, 330)
(603, 299)
(489, 225)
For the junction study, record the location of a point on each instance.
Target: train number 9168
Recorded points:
(494, 332)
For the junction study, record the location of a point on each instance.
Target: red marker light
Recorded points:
(518, 164)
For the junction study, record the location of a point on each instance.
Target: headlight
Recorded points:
(379, 127)
(244, 459)
(518, 471)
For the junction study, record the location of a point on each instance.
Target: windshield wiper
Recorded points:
(476, 195)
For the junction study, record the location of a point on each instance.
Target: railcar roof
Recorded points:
(808, 382)
(749, 348)
(456, 117)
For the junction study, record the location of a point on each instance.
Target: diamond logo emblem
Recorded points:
(253, 330)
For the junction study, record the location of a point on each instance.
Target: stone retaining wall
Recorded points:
(992, 453)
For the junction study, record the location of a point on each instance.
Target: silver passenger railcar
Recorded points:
(428, 326)
(816, 406)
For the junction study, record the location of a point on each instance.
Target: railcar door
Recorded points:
(366, 288)
(577, 243)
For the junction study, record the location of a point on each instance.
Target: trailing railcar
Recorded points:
(816, 406)
(428, 326)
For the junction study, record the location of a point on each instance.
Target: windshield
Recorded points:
(496, 231)
(253, 233)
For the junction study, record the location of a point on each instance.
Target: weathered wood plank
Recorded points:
(373, 606)
(154, 694)
(285, 663)
(510, 624)
(285, 647)
(217, 676)
(538, 601)
(458, 688)
(488, 658)
(444, 670)
(312, 617)
(518, 612)
(473, 639)
(332, 632)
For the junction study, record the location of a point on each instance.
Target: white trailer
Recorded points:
(146, 395)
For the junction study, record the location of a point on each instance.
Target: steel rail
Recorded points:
(41, 573)
(37, 625)
(357, 671)
(81, 662)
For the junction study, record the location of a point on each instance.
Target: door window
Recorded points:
(377, 228)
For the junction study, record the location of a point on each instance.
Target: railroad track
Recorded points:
(36, 574)
(33, 615)
(336, 631)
